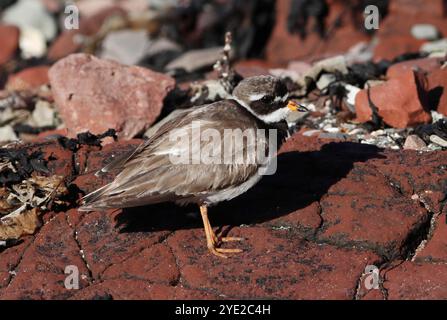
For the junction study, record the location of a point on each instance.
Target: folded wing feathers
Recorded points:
(148, 175)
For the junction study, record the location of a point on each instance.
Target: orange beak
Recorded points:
(292, 105)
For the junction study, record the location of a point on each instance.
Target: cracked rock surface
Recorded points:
(331, 209)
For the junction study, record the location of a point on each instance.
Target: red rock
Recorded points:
(394, 34)
(41, 272)
(298, 270)
(65, 44)
(127, 99)
(306, 220)
(393, 45)
(28, 79)
(310, 230)
(91, 25)
(154, 264)
(10, 260)
(373, 294)
(437, 82)
(10, 42)
(381, 224)
(125, 289)
(412, 281)
(90, 160)
(412, 175)
(105, 244)
(401, 101)
(284, 47)
(417, 8)
(426, 64)
(435, 250)
(59, 160)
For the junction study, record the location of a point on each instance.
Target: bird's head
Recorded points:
(266, 97)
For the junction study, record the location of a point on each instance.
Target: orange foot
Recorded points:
(212, 241)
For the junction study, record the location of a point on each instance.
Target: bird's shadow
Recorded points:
(301, 178)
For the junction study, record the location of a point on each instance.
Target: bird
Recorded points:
(148, 174)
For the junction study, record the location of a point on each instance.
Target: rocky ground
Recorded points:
(361, 183)
(333, 208)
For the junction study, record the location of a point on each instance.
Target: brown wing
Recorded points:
(150, 176)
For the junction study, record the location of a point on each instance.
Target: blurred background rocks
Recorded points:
(346, 73)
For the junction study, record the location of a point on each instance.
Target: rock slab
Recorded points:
(10, 42)
(127, 99)
(401, 101)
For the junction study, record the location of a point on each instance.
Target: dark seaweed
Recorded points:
(438, 128)
(23, 163)
(85, 138)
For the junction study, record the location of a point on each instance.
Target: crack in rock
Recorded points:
(418, 236)
(81, 250)
(13, 273)
(162, 239)
(431, 228)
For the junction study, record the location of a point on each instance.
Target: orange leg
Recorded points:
(212, 240)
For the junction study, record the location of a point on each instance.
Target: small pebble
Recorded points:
(378, 133)
(424, 32)
(325, 80)
(32, 43)
(310, 133)
(438, 140)
(435, 46)
(413, 142)
(340, 136)
(352, 92)
(43, 114)
(331, 129)
(7, 134)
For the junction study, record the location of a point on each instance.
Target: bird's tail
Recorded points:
(88, 201)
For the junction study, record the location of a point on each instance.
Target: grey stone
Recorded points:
(161, 45)
(7, 134)
(329, 65)
(424, 32)
(310, 133)
(435, 46)
(125, 46)
(196, 59)
(43, 114)
(438, 140)
(324, 80)
(333, 135)
(31, 13)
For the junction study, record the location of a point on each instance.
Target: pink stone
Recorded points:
(401, 101)
(95, 95)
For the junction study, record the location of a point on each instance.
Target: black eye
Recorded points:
(267, 99)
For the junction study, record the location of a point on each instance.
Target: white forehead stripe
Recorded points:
(256, 97)
(283, 98)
